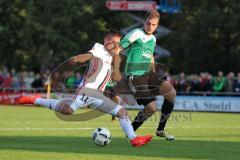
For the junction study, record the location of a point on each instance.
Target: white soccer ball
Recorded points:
(101, 136)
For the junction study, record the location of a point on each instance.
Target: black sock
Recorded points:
(113, 118)
(139, 120)
(167, 109)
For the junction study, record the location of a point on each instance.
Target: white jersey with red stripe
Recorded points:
(89, 92)
(99, 71)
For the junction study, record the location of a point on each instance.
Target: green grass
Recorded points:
(36, 133)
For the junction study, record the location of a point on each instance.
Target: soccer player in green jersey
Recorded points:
(144, 80)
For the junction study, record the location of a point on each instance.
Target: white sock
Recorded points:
(127, 127)
(48, 103)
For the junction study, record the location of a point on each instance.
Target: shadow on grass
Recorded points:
(191, 149)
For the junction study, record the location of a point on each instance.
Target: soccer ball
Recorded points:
(101, 136)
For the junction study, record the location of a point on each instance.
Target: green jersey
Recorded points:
(140, 51)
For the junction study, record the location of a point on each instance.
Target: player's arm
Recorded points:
(81, 58)
(153, 68)
(130, 38)
(153, 64)
(116, 74)
(93, 53)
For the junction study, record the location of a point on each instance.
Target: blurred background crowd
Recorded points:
(184, 83)
(206, 82)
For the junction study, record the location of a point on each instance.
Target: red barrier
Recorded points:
(11, 97)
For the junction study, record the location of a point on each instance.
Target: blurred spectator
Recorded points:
(172, 80)
(229, 82)
(37, 82)
(219, 81)
(1, 78)
(209, 85)
(28, 78)
(21, 80)
(182, 83)
(5, 71)
(7, 81)
(15, 83)
(203, 81)
(194, 83)
(55, 81)
(45, 78)
(236, 85)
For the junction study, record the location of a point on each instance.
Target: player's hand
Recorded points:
(116, 76)
(73, 60)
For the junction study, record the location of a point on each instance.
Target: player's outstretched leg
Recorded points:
(64, 106)
(126, 125)
(169, 94)
(28, 99)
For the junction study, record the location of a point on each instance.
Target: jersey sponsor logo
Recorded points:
(147, 55)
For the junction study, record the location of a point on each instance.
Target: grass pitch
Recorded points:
(36, 133)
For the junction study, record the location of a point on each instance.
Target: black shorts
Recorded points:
(145, 88)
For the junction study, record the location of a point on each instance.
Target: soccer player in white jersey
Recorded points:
(90, 92)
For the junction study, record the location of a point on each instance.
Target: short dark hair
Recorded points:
(112, 32)
(152, 14)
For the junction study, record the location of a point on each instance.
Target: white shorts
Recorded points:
(96, 101)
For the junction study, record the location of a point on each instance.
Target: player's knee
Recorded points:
(167, 90)
(122, 113)
(153, 110)
(171, 96)
(69, 111)
(150, 110)
(66, 109)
